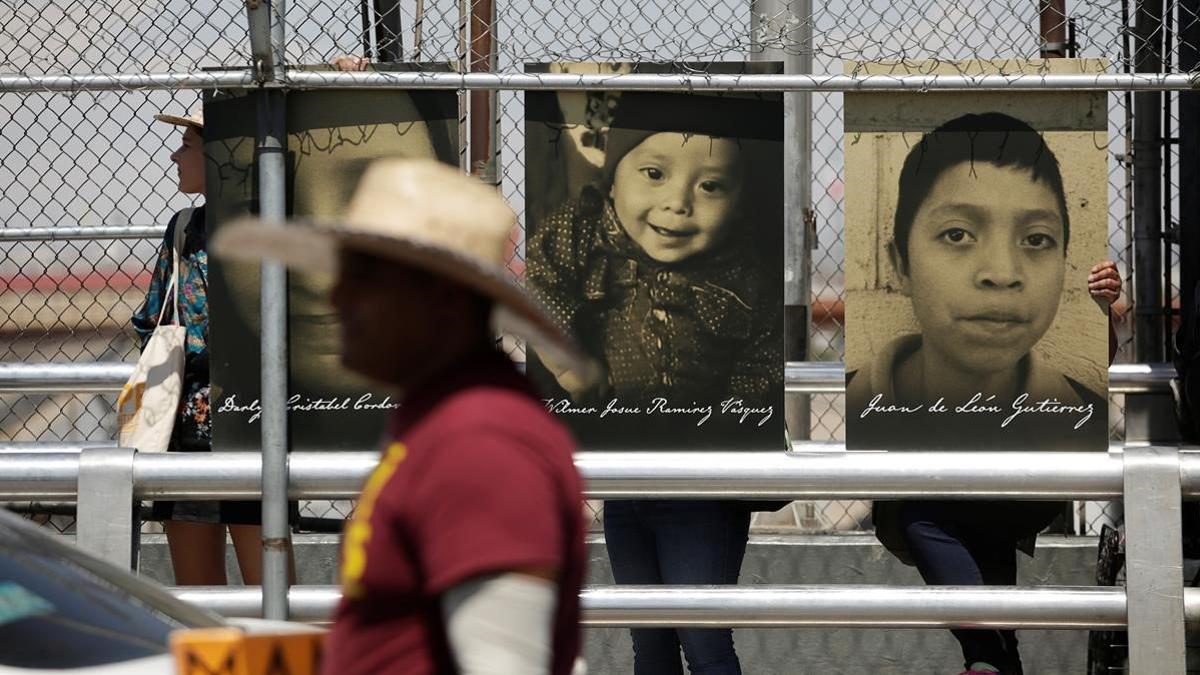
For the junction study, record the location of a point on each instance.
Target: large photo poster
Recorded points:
(654, 236)
(972, 222)
(331, 138)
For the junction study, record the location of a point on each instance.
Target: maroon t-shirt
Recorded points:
(476, 477)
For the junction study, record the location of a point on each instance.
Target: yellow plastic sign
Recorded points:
(232, 651)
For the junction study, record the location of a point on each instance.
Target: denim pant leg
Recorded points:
(633, 554)
(939, 547)
(700, 543)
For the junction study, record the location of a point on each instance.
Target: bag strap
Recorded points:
(180, 223)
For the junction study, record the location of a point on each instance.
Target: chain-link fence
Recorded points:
(89, 159)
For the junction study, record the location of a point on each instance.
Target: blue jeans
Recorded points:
(678, 542)
(974, 543)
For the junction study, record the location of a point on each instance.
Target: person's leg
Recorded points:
(197, 552)
(632, 552)
(1001, 526)
(702, 543)
(247, 543)
(997, 558)
(934, 532)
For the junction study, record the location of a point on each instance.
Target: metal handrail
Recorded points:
(806, 377)
(64, 377)
(97, 233)
(594, 81)
(814, 470)
(844, 606)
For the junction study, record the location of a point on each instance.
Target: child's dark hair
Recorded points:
(994, 138)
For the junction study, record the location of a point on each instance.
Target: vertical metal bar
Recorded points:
(1127, 155)
(483, 102)
(418, 30)
(464, 38)
(1188, 23)
(1154, 561)
(1052, 17)
(272, 178)
(258, 16)
(106, 524)
(1052, 20)
(365, 11)
(1147, 186)
(388, 36)
(782, 31)
(1168, 232)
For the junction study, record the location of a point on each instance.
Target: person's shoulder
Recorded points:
(506, 412)
(190, 218)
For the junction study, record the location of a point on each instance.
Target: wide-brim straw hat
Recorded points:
(424, 214)
(193, 119)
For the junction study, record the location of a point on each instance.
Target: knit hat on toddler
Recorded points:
(639, 115)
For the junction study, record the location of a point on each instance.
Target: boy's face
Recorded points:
(985, 265)
(675, 194)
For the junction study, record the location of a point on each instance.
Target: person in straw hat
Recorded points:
(466, 553)
(195, 530)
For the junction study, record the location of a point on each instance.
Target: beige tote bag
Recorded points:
(149, 401)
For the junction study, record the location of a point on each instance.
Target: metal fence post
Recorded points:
(106, 524)
(1147, 186)
(782, 30)
(1154, 560)
(272, 177)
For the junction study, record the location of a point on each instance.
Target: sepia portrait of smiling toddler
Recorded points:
(657, 269)
(979, 245)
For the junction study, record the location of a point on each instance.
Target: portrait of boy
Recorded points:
(664, 264)
(979, 241)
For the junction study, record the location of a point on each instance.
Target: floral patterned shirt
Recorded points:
(195, 424)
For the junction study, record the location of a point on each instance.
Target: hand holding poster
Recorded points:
(972, 223)
(653, 237)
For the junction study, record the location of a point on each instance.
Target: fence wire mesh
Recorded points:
(89, 159)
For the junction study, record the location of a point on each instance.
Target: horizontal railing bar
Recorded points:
(1140, 378)
(849, 606)
(809, 377)
(76, 378)
(595, 81)
(101, 232)
(814, 377)
(11, 447)
(128, 81)
(815, 470)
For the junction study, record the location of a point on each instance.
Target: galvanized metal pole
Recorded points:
(1154, 560)
(1189, 156)
(515, 81)
(1147, 186)
(106, 522)
(272, 178)
(782, 31)
(462, 66)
